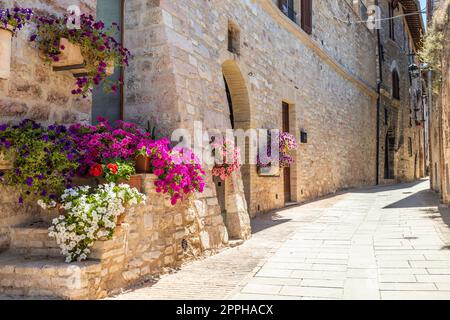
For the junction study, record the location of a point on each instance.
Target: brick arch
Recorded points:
(239, 94)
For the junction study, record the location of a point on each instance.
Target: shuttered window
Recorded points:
(109, 105)
(306, 14)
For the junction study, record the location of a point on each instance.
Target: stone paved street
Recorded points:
(388, 242)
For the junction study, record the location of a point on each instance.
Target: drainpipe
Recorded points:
(380, 80)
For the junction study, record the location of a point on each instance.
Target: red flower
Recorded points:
(96, 170)
(113, 168)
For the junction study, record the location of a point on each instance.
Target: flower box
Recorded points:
(5, 52)
(70, 57)
(81, 71)
(6, 161)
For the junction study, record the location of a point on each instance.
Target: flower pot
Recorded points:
(5, 52)
(6, 161)
(120, 219)
(134, 182)
(70, 58)
(60, 209)
(142, 164)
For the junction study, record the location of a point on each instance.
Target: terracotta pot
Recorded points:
(60, 209)
(142, 164)
(134, 182)
(120, 219)
(6, 161)
(5, 52)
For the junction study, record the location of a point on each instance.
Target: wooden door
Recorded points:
(286, 171)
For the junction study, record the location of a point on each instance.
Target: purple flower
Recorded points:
(29, 181)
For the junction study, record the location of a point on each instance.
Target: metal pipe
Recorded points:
(380, 80)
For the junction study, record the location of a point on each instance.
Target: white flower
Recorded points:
(86, 208)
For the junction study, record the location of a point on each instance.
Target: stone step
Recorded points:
(32, 239)
(48, 278)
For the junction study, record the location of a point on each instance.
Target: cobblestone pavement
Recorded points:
(390, 242)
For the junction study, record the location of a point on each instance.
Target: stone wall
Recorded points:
(12, 213)
(154, 239)
(440, 114)
(33, 90)
(400, 114)
(177, 74)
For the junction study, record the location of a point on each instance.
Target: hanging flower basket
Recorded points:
(287, 144)
(90, 53)
(70, 57)
(228, 155)
(5, 52)
(11, 20)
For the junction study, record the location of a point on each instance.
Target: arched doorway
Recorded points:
(239, 114)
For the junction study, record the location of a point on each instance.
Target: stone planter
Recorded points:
(6, 160)
(5, 52)
(142, 164)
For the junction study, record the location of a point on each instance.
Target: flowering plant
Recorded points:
(178, 170)
(16, 18)
(286, 144)
(98, 47)
(91, 214)
(45, 159)
(229, 156)
(117, 170)
(101, 143)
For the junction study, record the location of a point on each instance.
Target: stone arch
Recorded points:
(239, 94)
(240, 119)
(394, 66)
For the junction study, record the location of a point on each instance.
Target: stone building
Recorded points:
(302, 66)
(277, 62)
(440, 108)
(401, 118)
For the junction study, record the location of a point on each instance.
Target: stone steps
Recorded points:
(33, 267)
(32, 240)
(47, 277)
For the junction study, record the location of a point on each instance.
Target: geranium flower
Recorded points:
(96, 170)
(114, 168)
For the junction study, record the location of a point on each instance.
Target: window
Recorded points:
(386, 116)
(288, 8)
(306, 12)
(110, 106)
(234, 38)
(410, 147)
(392, 5)
(395, 85)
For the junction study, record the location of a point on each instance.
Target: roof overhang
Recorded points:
(415, 21)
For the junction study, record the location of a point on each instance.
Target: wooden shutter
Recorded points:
(306, 14)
